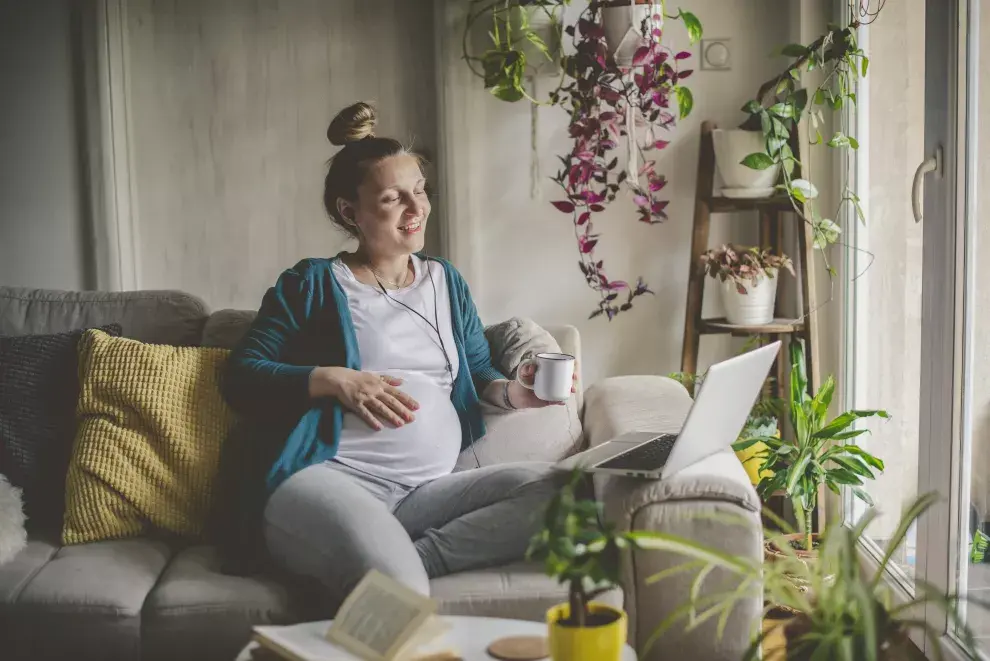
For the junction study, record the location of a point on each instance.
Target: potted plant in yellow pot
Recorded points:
(581, 551)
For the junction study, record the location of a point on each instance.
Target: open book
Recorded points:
(381, 620)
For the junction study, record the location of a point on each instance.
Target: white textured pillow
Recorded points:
(516, 338)
(13, 536)
(544, 434)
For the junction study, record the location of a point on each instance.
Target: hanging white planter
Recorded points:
(755, 307)
(622, 22)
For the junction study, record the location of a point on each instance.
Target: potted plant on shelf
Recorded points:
(848, 613)
(740, 181)
(820, 454)
(581, 551)
(749, 281)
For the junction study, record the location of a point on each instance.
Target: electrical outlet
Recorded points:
(716, 54)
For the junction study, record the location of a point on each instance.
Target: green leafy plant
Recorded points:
(515, 47)
(579, 549)
(781, 103)
(821, 452)
(743, 265)
(847, 614)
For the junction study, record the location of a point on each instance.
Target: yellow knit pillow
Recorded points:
(151, 424)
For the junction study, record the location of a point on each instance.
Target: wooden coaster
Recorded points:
(520, 648)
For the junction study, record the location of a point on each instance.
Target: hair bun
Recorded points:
(353, 123)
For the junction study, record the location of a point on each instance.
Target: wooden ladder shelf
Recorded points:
(772, 213)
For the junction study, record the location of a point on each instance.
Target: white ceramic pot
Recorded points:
(755, 307)
(623, 33)
(731, 147)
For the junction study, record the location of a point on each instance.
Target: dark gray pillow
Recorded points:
(39, 388)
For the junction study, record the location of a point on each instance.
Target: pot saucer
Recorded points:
(747, 193)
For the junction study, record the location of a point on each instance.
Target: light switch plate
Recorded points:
(716, 54)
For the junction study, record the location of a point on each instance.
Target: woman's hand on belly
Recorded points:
(376, 399)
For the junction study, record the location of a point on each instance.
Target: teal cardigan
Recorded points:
(304, 322)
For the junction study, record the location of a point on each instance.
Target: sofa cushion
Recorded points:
(195, 612)
(225, 328)
(16, 574)
(151, 425)
(519, 591)
(85, 598)
(39, 387)
(163, 317)
(546, 434)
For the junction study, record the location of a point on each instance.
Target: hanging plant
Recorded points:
(523, 40)
(608, 102)
(781, 103)
(628, 92)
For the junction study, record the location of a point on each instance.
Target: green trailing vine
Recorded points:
(781, 104)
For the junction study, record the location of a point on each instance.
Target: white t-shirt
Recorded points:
(393, 340)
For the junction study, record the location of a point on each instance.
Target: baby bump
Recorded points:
(428, 445)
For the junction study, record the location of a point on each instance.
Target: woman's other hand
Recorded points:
(524, 398)
(375, 399)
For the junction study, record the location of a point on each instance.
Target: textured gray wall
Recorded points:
(228, 107)
(42, 203)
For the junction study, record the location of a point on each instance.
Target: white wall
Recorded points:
(42, 206)
(527, 259)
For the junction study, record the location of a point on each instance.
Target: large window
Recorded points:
(918, 318)
(885, 342)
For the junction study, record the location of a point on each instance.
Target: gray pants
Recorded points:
(333, 523)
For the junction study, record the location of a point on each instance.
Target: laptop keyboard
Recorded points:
(648, 456)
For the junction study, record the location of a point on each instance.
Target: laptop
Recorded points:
(713, 424)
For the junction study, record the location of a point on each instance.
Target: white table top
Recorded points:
(470, 636)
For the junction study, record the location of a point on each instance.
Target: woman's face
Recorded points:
(392, 207)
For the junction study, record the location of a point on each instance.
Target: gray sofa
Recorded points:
(149, 599)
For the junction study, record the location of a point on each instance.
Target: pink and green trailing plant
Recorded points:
(601, 97)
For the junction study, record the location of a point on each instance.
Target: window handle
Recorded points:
(930, 164)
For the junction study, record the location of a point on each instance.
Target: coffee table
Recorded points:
(471, 636)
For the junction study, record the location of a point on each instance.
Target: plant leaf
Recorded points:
(752, 107)
(803, 190)
(796, 471)
(783, 110)
(839, 140)
(685, 101)
(842, 421)
(693, 26)
(862, 495)
(757, 161)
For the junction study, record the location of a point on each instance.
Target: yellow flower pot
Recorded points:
(595, 643)
(751, 462)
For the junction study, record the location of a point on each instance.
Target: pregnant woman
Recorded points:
(379, 359)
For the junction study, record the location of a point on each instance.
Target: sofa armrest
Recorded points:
(702, 502)
(633, 403)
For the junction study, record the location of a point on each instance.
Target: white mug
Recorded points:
(554, 376)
